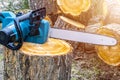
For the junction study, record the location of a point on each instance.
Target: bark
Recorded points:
(19, 65)
(50, 5)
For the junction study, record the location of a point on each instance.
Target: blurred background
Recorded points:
(85, 67)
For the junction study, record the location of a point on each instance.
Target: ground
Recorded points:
(88, 67)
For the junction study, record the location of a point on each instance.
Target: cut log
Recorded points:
(97, 9)
(49, 61)
(110, 54)
(90, 9)
(74, 7)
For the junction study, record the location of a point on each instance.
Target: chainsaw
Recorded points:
(32, 27)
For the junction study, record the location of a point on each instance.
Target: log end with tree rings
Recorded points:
(53, 47)
(73, 7)
(110, 54)
(72, 22)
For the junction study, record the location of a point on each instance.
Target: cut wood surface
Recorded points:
(50, 61)
(74, 7)
(110, 54)
(67, 23)
(52, 47)
(72, 22)
(97, 9)
(90, 9)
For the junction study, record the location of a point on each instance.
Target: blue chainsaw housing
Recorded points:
(8, 25)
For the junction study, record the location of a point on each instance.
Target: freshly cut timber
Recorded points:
(52, 47)
(67, 23)
(72, 22)
(110, 54)
(50, 61)
(97, 9)
(74, 7)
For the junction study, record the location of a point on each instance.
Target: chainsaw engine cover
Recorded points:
(16, 31)
(43, 33)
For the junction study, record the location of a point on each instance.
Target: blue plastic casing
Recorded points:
(7, 19)
(43, 35)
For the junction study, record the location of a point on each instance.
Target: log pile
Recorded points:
(91, 14)
(94, 16)
(92, 9)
